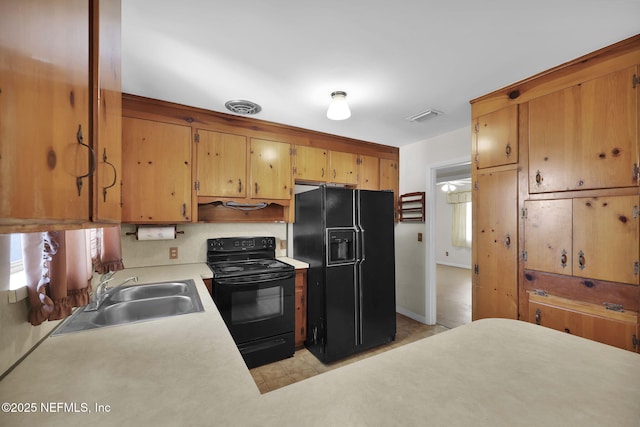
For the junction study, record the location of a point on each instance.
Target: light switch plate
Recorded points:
(173, 253)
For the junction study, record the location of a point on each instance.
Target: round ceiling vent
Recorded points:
(243, 107)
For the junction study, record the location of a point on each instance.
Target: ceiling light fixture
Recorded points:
(338, 109)
(423, 115)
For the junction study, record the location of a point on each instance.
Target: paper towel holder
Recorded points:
(163, 235)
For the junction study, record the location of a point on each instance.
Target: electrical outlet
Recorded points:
(419, 237)
(283, 244)
(446, 253)
(173, 253)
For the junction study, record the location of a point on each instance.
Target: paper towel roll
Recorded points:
(156, 233)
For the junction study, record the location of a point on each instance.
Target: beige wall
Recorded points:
(416, 161)
(192, 244)
(17, 336)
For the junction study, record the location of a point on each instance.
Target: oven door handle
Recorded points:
(248, 280)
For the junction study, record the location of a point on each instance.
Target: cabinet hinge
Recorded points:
(197, 186)
(635, 80)
(636, 268)
(540, 292)
(636, 172)
(476, 128)
(523, 213)
(614, 307)
(196, 137)
(476, 185)
(476, 269)
(523, 255)
(635, 341)
(295, 171)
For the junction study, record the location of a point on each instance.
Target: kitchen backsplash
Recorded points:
(192, 244)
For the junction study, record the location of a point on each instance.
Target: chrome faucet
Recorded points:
(102, 291)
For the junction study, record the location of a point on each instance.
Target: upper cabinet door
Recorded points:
(44, 112)
(343, 168)
(222, 164)
(497, 138)
(368, 173)
(605, 238)
(156, 182)
(389, 175)
(311, 164)
(270, 169)
(107, 115)
(548, 235)
(585, 136)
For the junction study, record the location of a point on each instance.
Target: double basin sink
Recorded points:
(135, 303)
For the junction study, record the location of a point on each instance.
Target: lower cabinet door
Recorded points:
(597, 323)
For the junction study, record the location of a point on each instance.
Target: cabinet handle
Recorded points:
(239, 186)
(581, 260)
(257, 188)
(567, 330)
(538, 317)
(334, 174)
(184, 210)
(92, 160)
(563, 259)
(538, 178)
(507, 150)
(322, 173)
(115, 175)
(507, 241)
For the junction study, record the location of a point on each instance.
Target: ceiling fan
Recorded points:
(449, 186)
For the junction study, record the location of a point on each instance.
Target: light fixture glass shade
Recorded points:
(338, 109)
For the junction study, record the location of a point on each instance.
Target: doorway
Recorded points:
(452, 243)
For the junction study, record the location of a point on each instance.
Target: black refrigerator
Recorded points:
(346, 236)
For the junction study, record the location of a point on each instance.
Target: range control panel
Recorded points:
(239, 244)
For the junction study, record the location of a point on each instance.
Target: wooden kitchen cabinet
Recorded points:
(301, 307)
(60, 110)
(310, 164)
(548, 235)
(45, 113)
(495, 235)
(575, 200)
(594, 237)
(270, 169)
(496, 136)
(343, 168)
(221, 165)
(605, 238)
(595, 322)
(107, 111)
(156, 182)
(368, 173)
(585, 136)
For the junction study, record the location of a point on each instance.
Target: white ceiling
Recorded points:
(393, 58)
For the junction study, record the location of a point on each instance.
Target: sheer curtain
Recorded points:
(461, 208)
(59, 265)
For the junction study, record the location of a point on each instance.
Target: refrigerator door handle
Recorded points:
(356, 313)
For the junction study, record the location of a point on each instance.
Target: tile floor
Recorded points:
(454, 302)
(303, 364)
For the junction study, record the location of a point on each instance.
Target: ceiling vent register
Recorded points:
(243, 107)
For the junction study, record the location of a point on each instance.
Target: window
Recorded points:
(18, 279)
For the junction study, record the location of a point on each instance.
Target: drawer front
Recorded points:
(619, 329)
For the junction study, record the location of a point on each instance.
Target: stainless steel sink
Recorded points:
(151, 290)
(143, 309)
(136, 303)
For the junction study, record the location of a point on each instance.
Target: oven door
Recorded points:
(256, 306)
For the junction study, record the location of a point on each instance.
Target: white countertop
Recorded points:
(296, 263)
(186, 370)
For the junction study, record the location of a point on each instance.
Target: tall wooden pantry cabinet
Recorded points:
(556, 201)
